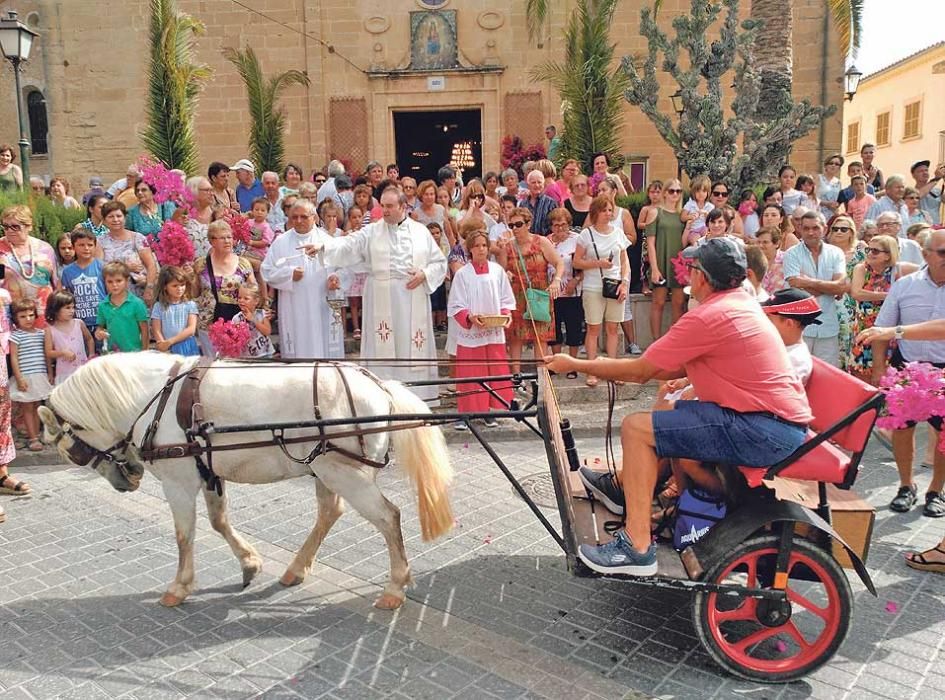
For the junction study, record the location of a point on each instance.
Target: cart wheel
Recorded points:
(764, 640)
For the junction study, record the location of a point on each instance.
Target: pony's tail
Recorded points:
(423, 455)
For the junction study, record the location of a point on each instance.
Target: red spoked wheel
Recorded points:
(771, 641)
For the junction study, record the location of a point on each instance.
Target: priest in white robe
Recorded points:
(405, 266)
(307, 326)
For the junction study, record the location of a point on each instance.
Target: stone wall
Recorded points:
(91, 66)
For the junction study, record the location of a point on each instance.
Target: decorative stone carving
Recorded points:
(490, 19)
(377, 24)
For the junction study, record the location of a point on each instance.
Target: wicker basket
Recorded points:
(495, 321)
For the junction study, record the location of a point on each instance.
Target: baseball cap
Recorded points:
(95, 181)
(794, 303)
(244, 164)
(919, 164)
(722, 259)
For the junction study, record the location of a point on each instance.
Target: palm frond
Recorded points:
(536, 13)
(174, 83)
(848, 21)
(267, 120)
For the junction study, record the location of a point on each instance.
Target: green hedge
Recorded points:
(633, 202)
(49, 220)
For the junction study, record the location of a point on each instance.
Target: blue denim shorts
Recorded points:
(707, 432)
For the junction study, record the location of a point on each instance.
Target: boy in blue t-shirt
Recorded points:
(84, 278)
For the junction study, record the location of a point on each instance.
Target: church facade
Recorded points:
(402, 81)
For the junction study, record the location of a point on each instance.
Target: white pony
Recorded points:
(100, 402)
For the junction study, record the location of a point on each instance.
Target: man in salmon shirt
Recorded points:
(752, 409)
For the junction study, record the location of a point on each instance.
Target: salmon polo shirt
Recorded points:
(733, 357)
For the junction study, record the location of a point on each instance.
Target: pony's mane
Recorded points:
(106, 393)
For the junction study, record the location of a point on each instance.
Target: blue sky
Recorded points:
(893, 30)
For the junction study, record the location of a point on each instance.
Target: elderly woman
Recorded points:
(292, 177)
(579, 203)
(200, 215)
(94, 221)
(147, 216)
(11, 176)
(869, 288)
(59, 194)
(601, 253)
(569, 171)
(569, 311)
(217, 280)
(916, 214)
(29, 263)
(841, 232)
(527, 257)
(429, 212)
(130, 248)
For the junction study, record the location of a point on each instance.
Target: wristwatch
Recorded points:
(899, 333)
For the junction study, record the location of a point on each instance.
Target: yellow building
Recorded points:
(900, 109)
(392, 80)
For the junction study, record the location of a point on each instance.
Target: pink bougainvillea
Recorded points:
(229, 339)
(680, 269)
(241, 226)
(170, 186)
(172, 246)
(913, 394)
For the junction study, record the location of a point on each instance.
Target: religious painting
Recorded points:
(433, 40)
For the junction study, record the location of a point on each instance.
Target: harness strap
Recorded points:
(344, 382)
(148, 442)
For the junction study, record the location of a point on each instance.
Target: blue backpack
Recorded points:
(696, 513)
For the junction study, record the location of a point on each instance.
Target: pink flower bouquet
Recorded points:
(913, 393)
(680, 269)
(172, 246)
(229, 339)
(170, 186)
(241, 226)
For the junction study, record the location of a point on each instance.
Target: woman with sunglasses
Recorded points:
(841, 232)
(720, 196)
(664, 231)
(828, 185)
(871, 282)
(409, 186)
(917, 215)
(472, 206)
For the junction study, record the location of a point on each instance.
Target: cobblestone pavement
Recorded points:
(494, 613)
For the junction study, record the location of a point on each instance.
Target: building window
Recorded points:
(853, 137)
(39, 126)
(882, 129)
(910, 123)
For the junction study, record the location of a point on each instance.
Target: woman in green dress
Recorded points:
(664, 232)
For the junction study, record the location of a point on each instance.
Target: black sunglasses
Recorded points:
(674, 191)
(516, 224)
(841, 229)
(720, 194)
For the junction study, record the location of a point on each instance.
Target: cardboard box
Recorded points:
(851, 516)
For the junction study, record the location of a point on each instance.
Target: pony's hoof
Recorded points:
(249, 573)
(169, 600)
(388, 601)
(290, 579)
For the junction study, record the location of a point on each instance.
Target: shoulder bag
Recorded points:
(220, 309)
(611, 288)
(537, 301)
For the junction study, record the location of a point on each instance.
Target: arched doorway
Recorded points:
(426, 141)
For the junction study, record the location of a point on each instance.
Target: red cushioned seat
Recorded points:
(833, 395)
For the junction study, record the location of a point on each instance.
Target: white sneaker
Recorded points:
(491, 423)
(460, 425)
(634, 349)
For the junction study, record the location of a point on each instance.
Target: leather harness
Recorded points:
(192, 420)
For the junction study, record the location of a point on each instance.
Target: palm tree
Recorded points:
(591, 90)
(174, 82)
(267, 126)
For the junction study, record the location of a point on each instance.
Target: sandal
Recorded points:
(35, 446)
(917, 560)
(571, 375)
(591, 381)
(18, 488)
(357, 334)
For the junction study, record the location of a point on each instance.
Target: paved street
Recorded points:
(493, 613)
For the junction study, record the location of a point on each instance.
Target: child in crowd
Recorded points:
(356, 288)
(68, 342)
(65, 254)
(480, 288)
(122, 318)
(28, 360)
(806, 185)
(438, 296)
(696, 210)
(262, 235)
(174, 316)
(260, 345)
(83, 278)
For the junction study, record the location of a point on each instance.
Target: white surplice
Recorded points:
(306, 327)
(480, 294)
(397, 321)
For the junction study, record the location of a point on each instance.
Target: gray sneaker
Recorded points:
(619, 557)
(604, 488)
(634, 349)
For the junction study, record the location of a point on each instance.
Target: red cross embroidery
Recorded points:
(384, 331)
(418, 339)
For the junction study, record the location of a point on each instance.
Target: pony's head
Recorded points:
(123, 473)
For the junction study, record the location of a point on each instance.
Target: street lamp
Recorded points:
(851, 81)
(16, 40)
(679, 108)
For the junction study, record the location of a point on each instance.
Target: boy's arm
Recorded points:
(89, 342)
(145, 335)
